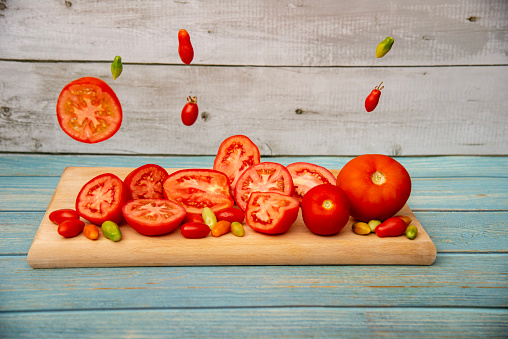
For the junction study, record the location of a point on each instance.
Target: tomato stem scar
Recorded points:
(378, 178)
(327, 204)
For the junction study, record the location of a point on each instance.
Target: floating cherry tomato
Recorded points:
(373, 98)
(185, 49)
(190, 111)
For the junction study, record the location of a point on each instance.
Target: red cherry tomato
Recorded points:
(185, 49)
(196, 189)
(59, 216)
(190, 111)
(325, 209)
(235, 155)
(373, 98)
(306, 175)
(230, 214)
(195, 230)
(88, 110)
(101, 199)
(270, 212)
(145, 182)
(71, 228)
(377, 186)
(153, 216)
(192, 217)
(263, 177)
(391, 227)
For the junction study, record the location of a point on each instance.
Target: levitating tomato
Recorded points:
(377, 186)
(88, 110)
(373, 98)
(190, 111)
(325, 209)
(235, 155)
(185, 47)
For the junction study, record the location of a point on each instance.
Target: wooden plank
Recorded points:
(298, 246)
(320, 113)
(454, 280)
(310, 33)
(447, 194)
(475, 232)
(418, 167)
(287, 322)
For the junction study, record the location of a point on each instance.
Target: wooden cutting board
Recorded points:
(296, 247)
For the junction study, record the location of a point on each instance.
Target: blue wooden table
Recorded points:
(462, 202)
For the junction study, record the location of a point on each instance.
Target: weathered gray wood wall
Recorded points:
(291, 75)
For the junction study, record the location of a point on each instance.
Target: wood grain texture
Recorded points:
(297, 33)
(298, 246)
(422, 111)
(287, 322)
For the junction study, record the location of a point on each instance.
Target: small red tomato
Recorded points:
(59, 216)
(325, 209)
(190, 111)
(195, 230)
(192, 217)
(391, 227)
(185, 49)
(71, 228)
(230, 214)
(373, 98)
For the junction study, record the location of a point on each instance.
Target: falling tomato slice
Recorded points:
(88, 110)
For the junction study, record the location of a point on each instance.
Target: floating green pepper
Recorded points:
(384, 47)
(116, 67)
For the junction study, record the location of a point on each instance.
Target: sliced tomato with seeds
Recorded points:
(270, 212)
(263, 177)
(101, 199)
(196, 189)
(235, 155)
(145, 182)
(88, 110)
(153, 216)
(307, 175)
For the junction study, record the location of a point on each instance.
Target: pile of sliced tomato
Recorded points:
(267, 196)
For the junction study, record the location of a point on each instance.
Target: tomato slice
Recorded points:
(196, 189)
(88, 110)
(235, 155)
(263, 177)
(306, 176)
(153, 216)
(145, 182)
(270, 212)
(101, 199)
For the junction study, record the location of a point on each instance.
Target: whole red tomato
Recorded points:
(88, 110)
(325, 209)
(373, 99)
(377, 186)
(190, 111)
(185, 49)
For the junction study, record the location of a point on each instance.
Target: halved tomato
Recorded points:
(306, 176)
(271, 212)
(263, 177)
(235, 155)
(196, 189)
(145, 182)
(101, 199)
(88, 110)
(153, 216)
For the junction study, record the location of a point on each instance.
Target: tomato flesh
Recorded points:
(263, 177)
(270, 212)
(306, 176)
(377, 186)
(145, 182)
(235, 155)
(196, 189)
(101, 199)
(153, 216)
(88, 110)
